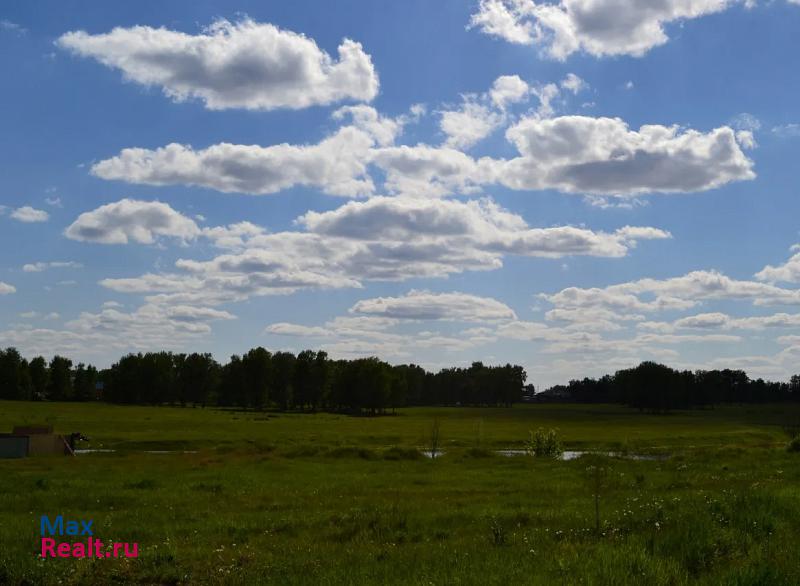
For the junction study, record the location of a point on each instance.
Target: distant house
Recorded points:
(528, 393)
(556, 394)
(33, 440)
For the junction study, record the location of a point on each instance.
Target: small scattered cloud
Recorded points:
(28, 214)
(38, 267)
(787, 131)
(12, 27)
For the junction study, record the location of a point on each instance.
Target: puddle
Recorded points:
(98, 451)
(575, 454)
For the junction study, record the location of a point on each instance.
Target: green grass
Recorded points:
(327, 499)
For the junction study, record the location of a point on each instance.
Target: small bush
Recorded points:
(396, 453)
(544, 444)
(351, 452)
(794, 445)
(498, 533)
(478, 453)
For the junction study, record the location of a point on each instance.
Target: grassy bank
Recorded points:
(326, 499)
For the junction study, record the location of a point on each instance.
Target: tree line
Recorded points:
(658, 388)
(259, 379)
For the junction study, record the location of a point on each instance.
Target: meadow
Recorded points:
(234, 497)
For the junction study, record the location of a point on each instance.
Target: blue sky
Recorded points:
(563, 185)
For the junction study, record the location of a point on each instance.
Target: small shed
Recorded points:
(13, 446)
(33, 440)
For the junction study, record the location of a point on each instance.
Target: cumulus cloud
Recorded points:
(593, 156)
(453, 228)
(233, 235)
(382, 128)
(684, 292)
(6, 289)
(256, 66)
(576, 154)
(28, 214)
(424, 170)
(579, 154)
(383, 238)
(469, 124)
(337, 165)
(508, 89)
(132, 220)
(721, 321)
(598, 27)
(426, 305)
(151, 327)
(788, 272)
(480, 114)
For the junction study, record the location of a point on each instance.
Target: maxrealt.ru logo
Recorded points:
(90, 548)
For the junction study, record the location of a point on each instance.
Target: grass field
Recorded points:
(330, 499)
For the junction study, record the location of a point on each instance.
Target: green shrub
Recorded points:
(397, 453)
(544, 444)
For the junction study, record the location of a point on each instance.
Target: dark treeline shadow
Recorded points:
(657, 388)
(259, 380)
(311, 381)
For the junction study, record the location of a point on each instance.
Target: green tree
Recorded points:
(60, 385)
(257, 371)
(283, 372)
(39, 377)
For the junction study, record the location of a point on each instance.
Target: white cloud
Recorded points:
(38, 267)
(506, 19)
(35, 314)
(650, 295)
(508, 89)
(6, 289)
(608, 203)
(449, 228)
(132, 220)
(787, 130)
(288, 329)
(28, 214)
(234, 235)
(424, 170)
(426, 305)
(602, 156)
(256, 66)
(722, 321)
(382, 238)
(336, 165)
(573, 83)
(469, 124)
(788, 272)
(382, 128)
(598, 27)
